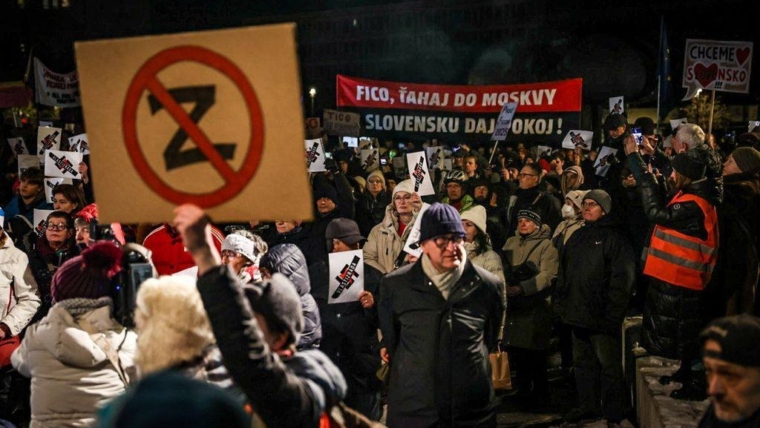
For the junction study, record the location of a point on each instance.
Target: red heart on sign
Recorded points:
(742, 55)
(705, 75)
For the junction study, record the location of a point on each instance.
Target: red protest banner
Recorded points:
(543, 97)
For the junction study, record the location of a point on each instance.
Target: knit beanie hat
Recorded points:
(172, 399)
(530, 215)
(440, 219)
(325, 190)
(241, 245)
(600, 197)
(360, 181)
(277, 300)
(615, 121)
(747, 159)
(405, 186)
(576, 196)
(690, 165)
(377, 174)
(739, 339)
(87, 276)
(477, 215)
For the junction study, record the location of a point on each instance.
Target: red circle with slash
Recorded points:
(146, 79)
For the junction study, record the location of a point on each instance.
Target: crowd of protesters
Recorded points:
(669, 230)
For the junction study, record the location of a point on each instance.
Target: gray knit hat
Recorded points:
(600, 197)
(279, 303)
(747, 159)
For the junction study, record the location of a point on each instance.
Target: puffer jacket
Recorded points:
(384, 243)
(487, 259)
(285, 392)
(288, 260)
(370, 210)
(71, 374)
(529, 319)
(18, 298)
(597, 271)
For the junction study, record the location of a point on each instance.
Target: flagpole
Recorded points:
(661, 65)
(712, 109)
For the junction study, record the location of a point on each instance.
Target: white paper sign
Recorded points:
(48, 138)
(50, 184)
(544, 151)
(675, 123)
(504, 122)
(18, 146)
(370, 159)
(578, 138)
(753, 124)
(79, 143)
(601, 165)
(419, 173)
(435, 157)
(346, 276)
(27, 161)
(62, 164)
(412, 245)
(718, 65)
(315, 155)
(54, 89)
(447, 165)
(40, 217)
(617, 105)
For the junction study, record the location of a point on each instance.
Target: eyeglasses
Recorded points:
(230, 255)
(443, 241)
(375, 181)
(523, 175)
(57, 227)
(407, 197)
(589, 205)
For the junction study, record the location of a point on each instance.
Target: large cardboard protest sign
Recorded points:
(55, 89)
(718, 65)
(346, 276)
(194, 118)
(546, 110)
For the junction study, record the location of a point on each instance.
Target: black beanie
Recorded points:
(689, 165)
(325, 190)
(739, 339)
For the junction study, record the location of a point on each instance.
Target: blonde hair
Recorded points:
(173, 326)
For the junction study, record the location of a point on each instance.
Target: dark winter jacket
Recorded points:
(596, 276)
(370, 210)
(439, 348)
(344, 208)
(543, 203)
(288, 260)
(288, 392)
(672, 317)
(349, 332)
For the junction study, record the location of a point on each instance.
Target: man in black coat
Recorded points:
(530, 197)
(596, 278)
(440, 318)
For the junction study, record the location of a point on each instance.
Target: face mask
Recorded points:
(568, 211)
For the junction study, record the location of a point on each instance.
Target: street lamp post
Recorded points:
(312, 94)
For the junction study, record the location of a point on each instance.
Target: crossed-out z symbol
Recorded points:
(419, 174)
(204, 97)
(313, 154)
(346, 277)
(370, 160)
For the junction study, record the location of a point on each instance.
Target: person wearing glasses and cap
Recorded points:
(440, 318)
(597, 271)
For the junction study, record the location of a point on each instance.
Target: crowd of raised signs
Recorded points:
(521, 210)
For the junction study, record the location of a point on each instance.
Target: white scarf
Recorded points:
(446, 279)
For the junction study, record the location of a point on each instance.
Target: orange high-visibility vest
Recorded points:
(680, 259)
